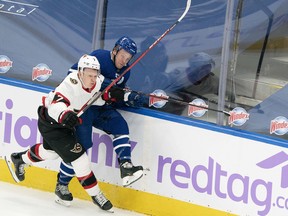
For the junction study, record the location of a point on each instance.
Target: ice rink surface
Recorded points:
(23, 201)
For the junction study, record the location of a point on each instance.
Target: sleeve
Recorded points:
(60, 100)
(59, 104)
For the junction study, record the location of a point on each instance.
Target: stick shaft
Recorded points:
(175, 100)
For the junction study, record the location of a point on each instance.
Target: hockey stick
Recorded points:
(99, 94)
(175, 100)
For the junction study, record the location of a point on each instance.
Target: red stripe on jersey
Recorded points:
(90, 186)
(35, 150)
(83, 178)
(88, 181)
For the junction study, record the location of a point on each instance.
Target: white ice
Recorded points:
(16, 200)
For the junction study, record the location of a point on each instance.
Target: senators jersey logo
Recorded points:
(73, 81)
(77, 148)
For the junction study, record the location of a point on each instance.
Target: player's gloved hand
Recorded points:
(114, 94)
(136, 100)
(69, 119)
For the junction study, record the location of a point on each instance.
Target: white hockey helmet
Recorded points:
(88, 61)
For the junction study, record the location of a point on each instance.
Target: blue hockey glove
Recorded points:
(134, 99)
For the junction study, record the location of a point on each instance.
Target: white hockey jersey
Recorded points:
(70, 95)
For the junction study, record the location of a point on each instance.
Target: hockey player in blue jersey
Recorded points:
(107, 118)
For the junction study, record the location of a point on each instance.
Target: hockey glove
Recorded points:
(136, 100)
(69, 119)
(113, 95)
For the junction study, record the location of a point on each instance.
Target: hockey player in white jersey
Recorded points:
(57, 118)
(107, 118)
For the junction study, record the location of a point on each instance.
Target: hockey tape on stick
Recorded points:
(99, 94)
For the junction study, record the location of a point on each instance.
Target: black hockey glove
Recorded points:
(136, 100)
(69, 119)
(114, 95)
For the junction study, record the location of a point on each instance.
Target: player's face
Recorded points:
(89, 77)
(122, 58)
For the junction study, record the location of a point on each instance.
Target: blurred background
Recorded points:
(230, 54)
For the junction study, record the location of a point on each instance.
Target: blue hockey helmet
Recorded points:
(127, 44)
(200, 65)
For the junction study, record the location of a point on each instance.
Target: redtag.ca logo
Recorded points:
(254, 191)
(274, 161)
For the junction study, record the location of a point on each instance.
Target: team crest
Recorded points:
(160, 100)
(238, 116)
(199, 109)
(41, 72)
(73, 81)
(5, 64)
(77, 148)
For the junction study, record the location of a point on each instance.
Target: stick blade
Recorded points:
(11, 169)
